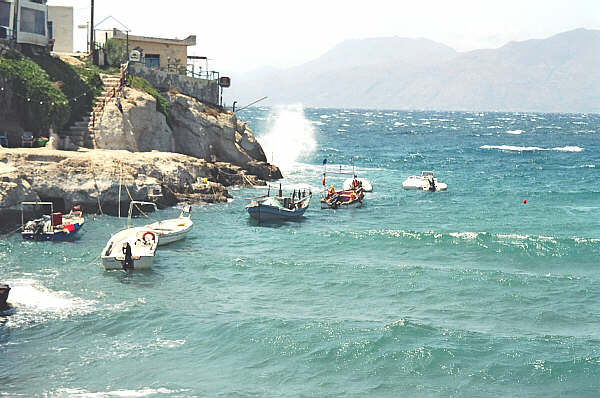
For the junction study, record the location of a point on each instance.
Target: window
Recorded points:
(33, 21)
(153, 60)
(4, 14)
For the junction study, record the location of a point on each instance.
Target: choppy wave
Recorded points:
(529, 245)
(143, 392)
(532, 148)
(514, 132)
(33, 303)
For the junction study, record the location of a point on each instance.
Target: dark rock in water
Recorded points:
(4, 289)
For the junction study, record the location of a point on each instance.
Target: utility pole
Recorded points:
(92, 29)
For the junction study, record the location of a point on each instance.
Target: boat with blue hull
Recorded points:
(52, 227)
(279, 208)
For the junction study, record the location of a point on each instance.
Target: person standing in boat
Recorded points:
(128, 262)
(431, 183)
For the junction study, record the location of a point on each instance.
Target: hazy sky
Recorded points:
(243, 35)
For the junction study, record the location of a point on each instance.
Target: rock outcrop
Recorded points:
(138, 128)
(91, 179)
(197, 130)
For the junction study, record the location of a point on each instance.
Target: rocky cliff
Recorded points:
(91, 179)
(197, 130)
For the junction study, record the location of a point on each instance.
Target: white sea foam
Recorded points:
(465, 235)
(515, 132)
(494, 127)
(35, 303)
(532, 148)
(289, 137)
(144, 392)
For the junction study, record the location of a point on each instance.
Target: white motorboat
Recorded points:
(426, 182)
(363, 182)
(172, 230)
(142, 242)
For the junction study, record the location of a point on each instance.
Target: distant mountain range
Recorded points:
(557, 74)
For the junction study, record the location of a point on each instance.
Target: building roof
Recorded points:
(188, 41)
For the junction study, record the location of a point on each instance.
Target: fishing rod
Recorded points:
(250, 104)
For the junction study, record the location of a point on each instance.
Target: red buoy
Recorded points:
(524, 201)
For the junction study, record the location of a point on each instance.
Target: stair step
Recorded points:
(78, 130)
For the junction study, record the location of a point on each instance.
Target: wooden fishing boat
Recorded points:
(174, 229)
(4, 290)
(55, 226)
(344, 199)
(277, 208)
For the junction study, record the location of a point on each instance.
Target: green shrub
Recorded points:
(162, 105)
(39, 102)
(80, 85)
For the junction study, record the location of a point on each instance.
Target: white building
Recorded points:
(60, 27)
(24, 20)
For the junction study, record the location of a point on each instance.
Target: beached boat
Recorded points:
(426, 182)
(4, 290)
(276, 208)
(344, 199)
(131, 248)
(364, 183)
(174, 229)
(54, 226)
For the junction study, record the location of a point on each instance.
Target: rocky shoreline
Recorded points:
(91, 178)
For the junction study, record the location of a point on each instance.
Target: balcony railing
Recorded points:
(191, 71)
(6, 33)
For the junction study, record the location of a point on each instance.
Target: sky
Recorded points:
(241, 36)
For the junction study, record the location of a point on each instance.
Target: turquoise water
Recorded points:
(468, 292)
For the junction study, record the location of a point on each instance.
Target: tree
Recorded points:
(115, 52)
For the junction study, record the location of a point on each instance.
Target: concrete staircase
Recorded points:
(81, 133)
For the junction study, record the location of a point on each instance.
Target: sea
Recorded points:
(489, 289)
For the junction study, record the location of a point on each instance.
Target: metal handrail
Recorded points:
(115, 93)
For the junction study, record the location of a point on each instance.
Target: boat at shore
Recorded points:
(279, 208)
(174, 229)
(344, 199)
(54, 226)
(4, 290)
(426, 182)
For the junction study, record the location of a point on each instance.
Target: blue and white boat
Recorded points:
(55, 226)
(278, 208)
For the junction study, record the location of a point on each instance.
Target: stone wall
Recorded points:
(203, 90)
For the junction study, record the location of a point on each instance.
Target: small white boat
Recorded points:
(172, 230)
(142, 244)
(131, 248)
(363, 182)
(426, 182)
